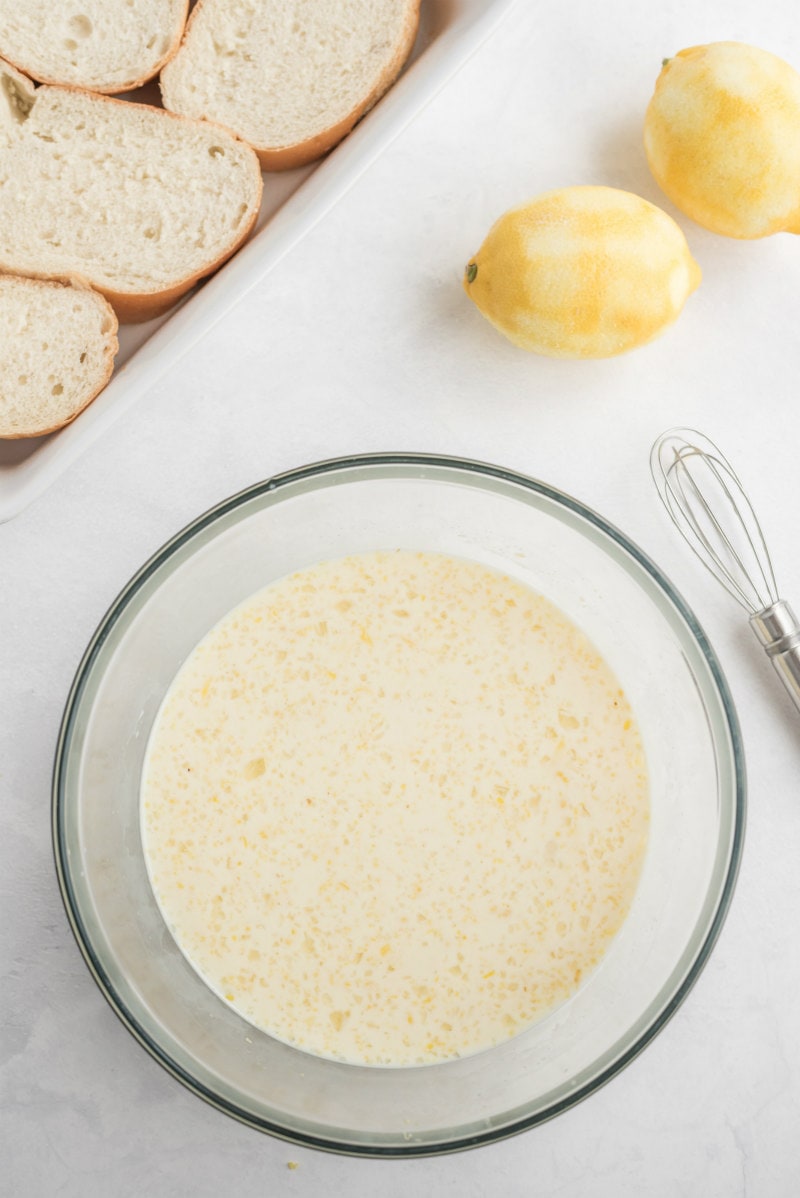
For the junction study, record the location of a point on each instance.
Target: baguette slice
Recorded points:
(57, 348)
(101, 45)
(291, 77)
(138, 203)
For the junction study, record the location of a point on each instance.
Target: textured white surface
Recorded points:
(362, 340)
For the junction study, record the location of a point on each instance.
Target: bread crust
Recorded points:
(136, 307)
(284, 158)
(111, 350)
(116, 89)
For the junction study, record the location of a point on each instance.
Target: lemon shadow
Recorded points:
(619, 160)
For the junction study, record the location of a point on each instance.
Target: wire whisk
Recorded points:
(707, 504)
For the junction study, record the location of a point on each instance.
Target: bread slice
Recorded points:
(57, 348)
(138, 203)
(291, 77)
(102, 45)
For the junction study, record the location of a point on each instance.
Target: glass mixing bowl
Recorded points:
(633, 616)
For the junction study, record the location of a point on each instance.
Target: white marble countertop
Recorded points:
(362, 340)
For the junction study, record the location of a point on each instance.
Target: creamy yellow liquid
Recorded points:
(394, 808)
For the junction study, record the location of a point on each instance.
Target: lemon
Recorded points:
(722, 135)
(584, 272)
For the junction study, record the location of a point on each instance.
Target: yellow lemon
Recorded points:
(584, 272)
(722, 136)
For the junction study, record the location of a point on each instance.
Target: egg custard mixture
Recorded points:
(394, 808)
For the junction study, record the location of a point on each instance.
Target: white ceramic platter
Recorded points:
(294, 201)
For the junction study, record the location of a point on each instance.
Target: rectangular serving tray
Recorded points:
(294, 202)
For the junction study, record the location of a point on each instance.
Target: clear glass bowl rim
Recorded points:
(318, 471)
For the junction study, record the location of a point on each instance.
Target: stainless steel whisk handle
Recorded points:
(778, 630)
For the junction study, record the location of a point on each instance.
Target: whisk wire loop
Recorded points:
(705, 500)
(677, 481)
(708, 505)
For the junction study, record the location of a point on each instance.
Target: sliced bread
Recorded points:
(135, 201)
(291, 77)
(57, 348)
(102, 45)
